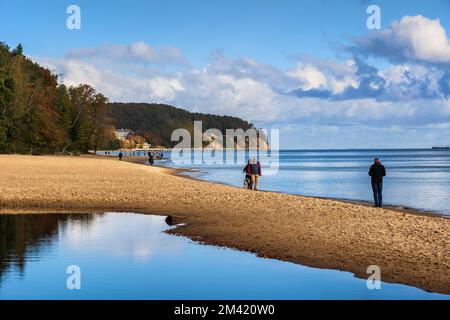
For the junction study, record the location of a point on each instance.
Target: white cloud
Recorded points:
(310, 77)
(354, 92)
(442, 126)
(253, 99)
(414, 38)
(325, 75)
(134, 53)
(115, 85)
(415, 81)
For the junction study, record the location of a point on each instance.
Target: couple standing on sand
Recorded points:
(252, 173)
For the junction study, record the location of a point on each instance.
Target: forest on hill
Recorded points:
(156, 122)
(39, 116)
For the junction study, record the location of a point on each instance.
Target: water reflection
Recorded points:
(127, 256)
(23, 237)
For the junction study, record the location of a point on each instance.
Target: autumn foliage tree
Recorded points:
(39, 116)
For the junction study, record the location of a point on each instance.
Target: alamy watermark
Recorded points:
(73, 22)
(374, 280)
(374, 19)
(73, 281)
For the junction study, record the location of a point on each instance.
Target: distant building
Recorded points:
(122, 134)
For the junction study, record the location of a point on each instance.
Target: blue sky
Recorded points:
(268, 30)
(309, 68)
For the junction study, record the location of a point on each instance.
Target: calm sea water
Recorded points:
(127, 256)
(418, 179)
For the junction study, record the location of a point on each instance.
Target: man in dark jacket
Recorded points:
(151, 158)
(377, 172)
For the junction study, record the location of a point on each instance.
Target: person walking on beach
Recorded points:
(120, 155)
(254, 170)
(377, 172)
(151, 158)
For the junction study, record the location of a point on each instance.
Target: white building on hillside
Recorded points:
(122, 134)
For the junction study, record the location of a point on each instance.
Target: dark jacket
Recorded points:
(377, 172)
(253, 169)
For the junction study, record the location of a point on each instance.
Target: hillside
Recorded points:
(156, 122)
(38, 116)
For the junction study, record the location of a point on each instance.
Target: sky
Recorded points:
(311, 69)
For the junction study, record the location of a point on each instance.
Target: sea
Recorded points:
(416, 178)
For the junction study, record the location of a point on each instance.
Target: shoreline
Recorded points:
(410, 248)
(399, 208)
(181, 173)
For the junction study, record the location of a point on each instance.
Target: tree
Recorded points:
(156, 122)
(38, 116)
(3, 134)
(18, 51)
(100, 126)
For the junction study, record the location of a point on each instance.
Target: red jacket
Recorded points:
(249, 170)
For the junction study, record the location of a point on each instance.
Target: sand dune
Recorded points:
(410, 249)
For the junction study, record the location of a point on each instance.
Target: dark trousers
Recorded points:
(377, 188)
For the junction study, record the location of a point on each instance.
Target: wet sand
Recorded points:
(409, 248)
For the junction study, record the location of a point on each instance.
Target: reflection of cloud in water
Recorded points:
(125, 235)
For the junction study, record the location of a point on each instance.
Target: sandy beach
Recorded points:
(409, 248)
